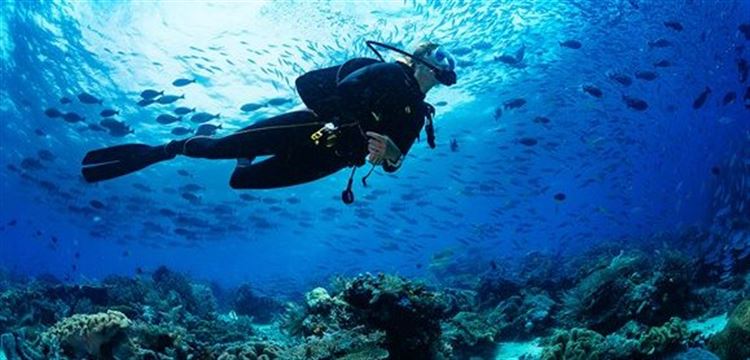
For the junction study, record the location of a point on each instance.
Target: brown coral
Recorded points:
(93, 334)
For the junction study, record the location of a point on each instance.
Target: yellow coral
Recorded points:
(85, 334)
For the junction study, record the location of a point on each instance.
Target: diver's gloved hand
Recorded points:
(382, 148)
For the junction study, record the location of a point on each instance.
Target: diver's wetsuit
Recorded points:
(382, 97)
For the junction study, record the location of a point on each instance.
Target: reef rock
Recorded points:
(733, 343)
(93, 335)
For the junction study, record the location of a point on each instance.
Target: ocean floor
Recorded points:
(606, 304)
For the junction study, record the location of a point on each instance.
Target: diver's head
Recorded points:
(441, 70)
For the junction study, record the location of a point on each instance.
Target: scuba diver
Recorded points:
(365, 109)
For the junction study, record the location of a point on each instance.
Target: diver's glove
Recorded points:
(382, 148)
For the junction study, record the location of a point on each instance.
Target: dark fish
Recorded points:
(46, 155)
(621, 78)
(514, 103)
(182, 172)
(528, 141)
(182, 82)
(145, 102)
(179, 131)
(191, 197)
(560, 197)
(635, 103)
(96, 204)
(293, 200)
(454, 145)
(31, 164)
(715, 170)
(110, 123)
(120, 132)
(202, 117)
(663, 63)
(40, 132)
(541, 120)
(248, 197)
(646, 75)
(168, 99)
(674, 25)
(701, 99)
(65, 100)
(12, 222)
(167, 212)
(743, 69)
(441, 103)
(660, 43)
(460, 51)
(506, 59)
(571, 44)
(191, 188)
(166, 119)
(207, 129)
(87, 98)
(593, 91)
(96, 127)
(53, 113)
(745, 29)
(72, 117)
(278, 101)
(729, 98)
(109, 113)
(150, 94)
(498, 113)
(251, 107)
(746, 98)
(183, 110)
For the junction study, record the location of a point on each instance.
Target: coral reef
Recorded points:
(87, 335)
(617, 305)
(261, 308)
(733, 343)
(625, 344)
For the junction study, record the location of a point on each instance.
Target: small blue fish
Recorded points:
(278, 101)
(53, 113)
(109, 113)
(646, 75)
(183, 110)
(203, 117)
(72, 117)
(96, 127)
(145, 102)
(660, 43)
(571, 44)
(150, 94)
(87, 98)
(182, 82)
(121, 132)
(207, 129)
(166, 119)
(180, 131)
(168, 99)
(251, 107)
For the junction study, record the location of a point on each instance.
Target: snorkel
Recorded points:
(446, 75)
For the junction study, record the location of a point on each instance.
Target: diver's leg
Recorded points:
(298, 167)
(271, 136)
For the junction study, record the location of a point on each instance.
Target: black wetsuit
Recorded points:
(382, 97)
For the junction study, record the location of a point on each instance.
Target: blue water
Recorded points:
(626, 174)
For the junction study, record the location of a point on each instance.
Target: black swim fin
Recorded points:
(109, 163)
